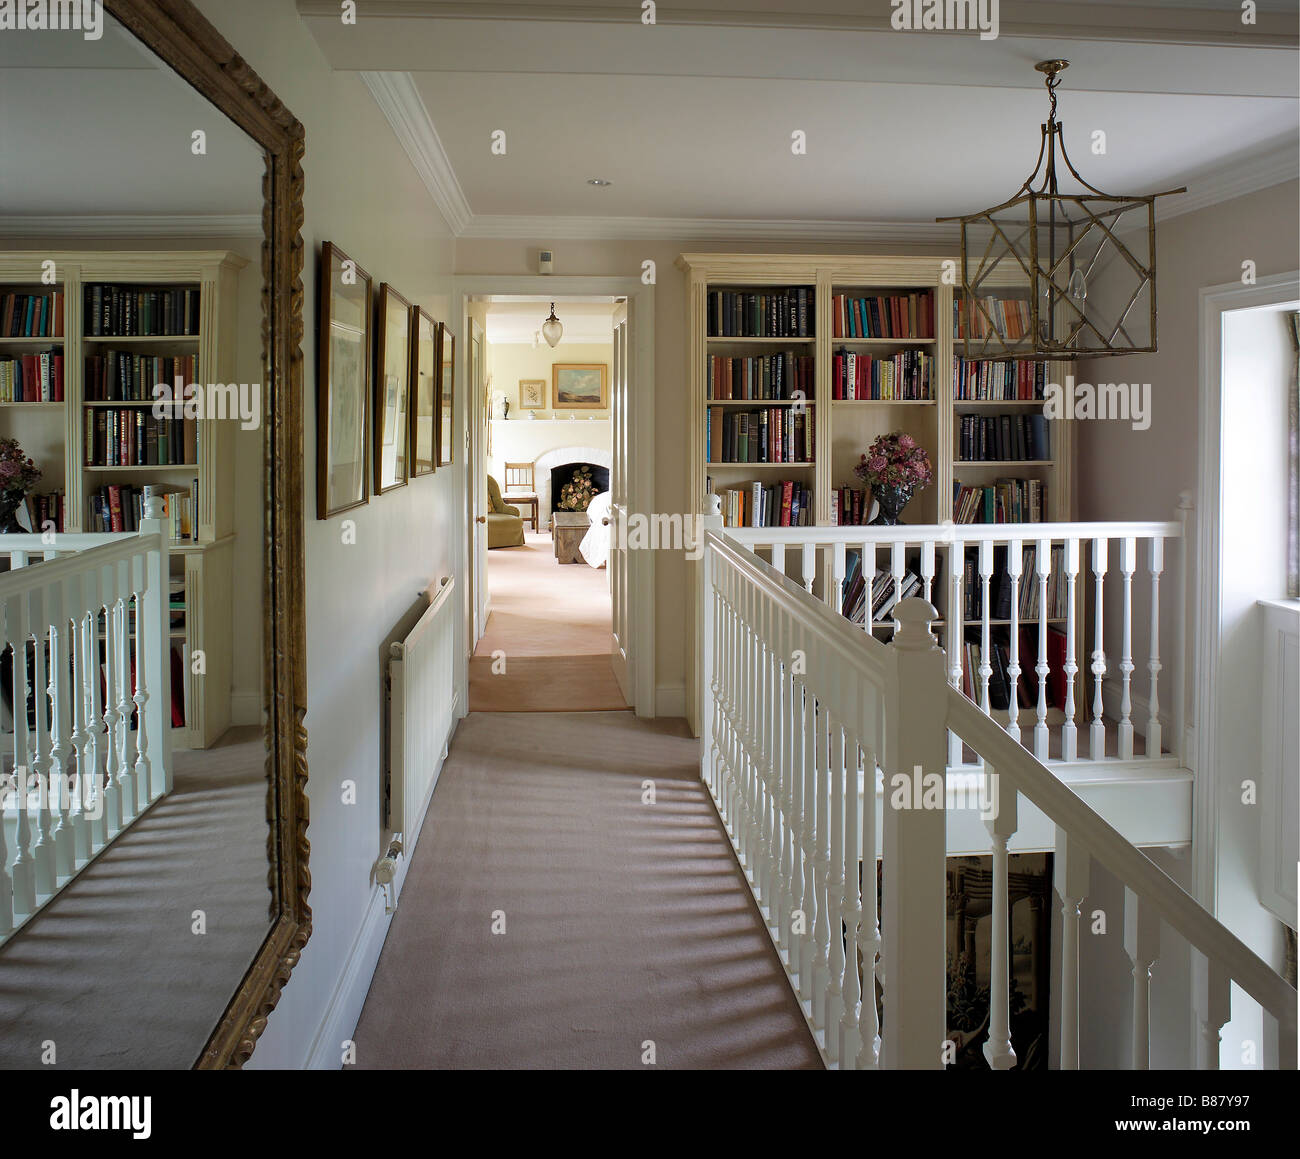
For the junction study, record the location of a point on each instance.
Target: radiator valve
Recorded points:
(386, 873)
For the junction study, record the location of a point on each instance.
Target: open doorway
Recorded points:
(547, 439)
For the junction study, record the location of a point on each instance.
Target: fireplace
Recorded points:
(550, 465)
(564, 473)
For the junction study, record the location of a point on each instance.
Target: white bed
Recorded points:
(595, 544)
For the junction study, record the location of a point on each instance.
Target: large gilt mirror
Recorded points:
(153, 851)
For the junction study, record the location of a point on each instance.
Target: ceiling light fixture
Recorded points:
(1045, 274)
(598, 181)
(552, 331)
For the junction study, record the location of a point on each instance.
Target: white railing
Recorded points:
(991, 583)
(803, 719)
(87, 681)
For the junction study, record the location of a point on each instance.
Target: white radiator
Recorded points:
(421, 712)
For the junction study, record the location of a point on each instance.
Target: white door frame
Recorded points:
(1215, 301)
(640, 460)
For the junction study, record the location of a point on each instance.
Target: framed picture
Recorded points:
(424, 393)
(532, 394)
(446, 394)
(392, 390)
(343, 385)
(579, 386)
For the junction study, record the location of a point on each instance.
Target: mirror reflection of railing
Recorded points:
(85, 637)
(1036, 585)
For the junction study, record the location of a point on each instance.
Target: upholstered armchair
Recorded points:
(505, 528)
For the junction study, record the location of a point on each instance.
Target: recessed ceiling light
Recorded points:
(598, 181)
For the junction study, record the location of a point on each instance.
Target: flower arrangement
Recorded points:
(895, 460)
(18, 475)
(578, 492)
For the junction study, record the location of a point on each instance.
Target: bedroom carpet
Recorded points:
(625, 922)
(552, 621)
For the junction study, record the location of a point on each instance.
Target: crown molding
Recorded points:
(401, 104)
(1235, 179)
(133, 225)
(548, 229)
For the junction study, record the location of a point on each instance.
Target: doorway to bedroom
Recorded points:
(547, 438)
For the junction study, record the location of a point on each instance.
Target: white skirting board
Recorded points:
(670, 700)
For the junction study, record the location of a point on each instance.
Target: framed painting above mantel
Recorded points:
(579, 386)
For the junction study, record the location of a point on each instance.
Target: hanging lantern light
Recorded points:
(1053, 274)
(552, 330)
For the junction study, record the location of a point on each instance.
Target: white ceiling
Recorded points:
(692, 119)
(102, 129)
(519, 319)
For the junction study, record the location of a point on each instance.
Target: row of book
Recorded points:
(850, 506)
(883, 593)
(133, 437)
(1003, 501)
(883, 316)
(127, 376)
(777, 434)
(120, 507)
(1000, 677)
(1010, 317)
(1002, 438)
(50, 508)
(31, 315)
(905, 377)
(772, 314)
(1000, 586)
(767, 376)
(993, 380)
(783, 503)
(32, 377)
(133, 311)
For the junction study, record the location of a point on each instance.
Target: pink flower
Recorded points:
(906, 442)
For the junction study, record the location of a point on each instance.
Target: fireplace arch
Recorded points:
(560, 457)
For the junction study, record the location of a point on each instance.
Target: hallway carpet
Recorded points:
(552, 622)
(624, 922)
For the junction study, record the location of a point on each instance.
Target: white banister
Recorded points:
(1071, 865)
(1142, 945)
(1156, 561)
(1097, 733)
(1127, 565)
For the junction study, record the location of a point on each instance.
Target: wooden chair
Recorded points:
(521, 489)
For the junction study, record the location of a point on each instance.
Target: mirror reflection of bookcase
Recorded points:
(117, 323)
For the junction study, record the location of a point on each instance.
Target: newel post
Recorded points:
(153, 652)
(915, 847)
(707, 642)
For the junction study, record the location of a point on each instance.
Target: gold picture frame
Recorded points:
(424, 393)
(392, 403)
(579, 386)
(343, 384)
(532, 394)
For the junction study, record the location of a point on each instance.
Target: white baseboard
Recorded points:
(245, 708)
(343, 1011)
(670, 700)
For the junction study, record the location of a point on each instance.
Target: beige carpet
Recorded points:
(624, 922)
(550, 632)
(110, 970)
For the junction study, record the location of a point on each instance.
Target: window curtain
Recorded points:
(1293, 468)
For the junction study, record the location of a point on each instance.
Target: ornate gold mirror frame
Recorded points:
(180, 35)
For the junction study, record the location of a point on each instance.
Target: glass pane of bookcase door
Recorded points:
(89, 330)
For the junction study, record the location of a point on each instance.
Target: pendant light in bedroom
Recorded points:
(552, 331)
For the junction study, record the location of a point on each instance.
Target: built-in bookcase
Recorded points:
(126, 321)
(880, 338)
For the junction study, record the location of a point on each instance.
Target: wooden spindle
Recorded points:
(869, 922)
(927, 570)
(898, 569)
(1069, 731)
(1097, 735)
(955, 614)
(807, 829)
(851, 907)
(839, 569)
(1217, 1009)
(43, 851)
(23, 870)
(1127, 566)
(1001, 827)
(1142, 945)
(1043, 566)
(986, 666)
(1015, 564)
(778, 557)
(143, 765)
(809, 566)
(1156, 558)
(835, 891)
(821, 870)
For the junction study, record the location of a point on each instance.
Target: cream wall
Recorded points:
(623, 259)
(508, 362)
(363, 194)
